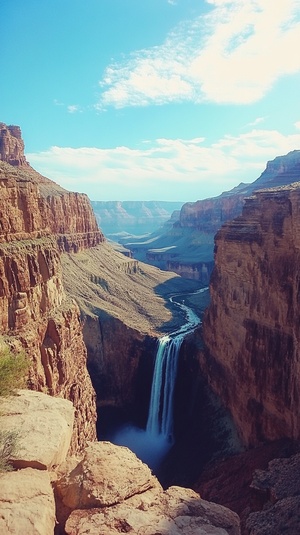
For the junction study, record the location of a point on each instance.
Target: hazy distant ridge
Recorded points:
(134, 217)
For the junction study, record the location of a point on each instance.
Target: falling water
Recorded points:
(160, 417)
(152, 444)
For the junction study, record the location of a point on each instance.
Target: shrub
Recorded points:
(13, 370)
(8, 448)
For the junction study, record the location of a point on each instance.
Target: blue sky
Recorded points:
(151, 99)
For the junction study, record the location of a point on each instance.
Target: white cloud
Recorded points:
(73, 108)
(233, 54)
(297, 125)
(167, 169)
(256, 121)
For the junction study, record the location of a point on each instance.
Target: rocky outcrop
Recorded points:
(43, 430)
(111, 491)
(43, 426)
(279, 489)
(12, 145)
(199, 271)
(27, 503)
(251, 328)
(33, 207)
(39, 221)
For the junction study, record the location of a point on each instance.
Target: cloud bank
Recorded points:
(233, 54)
(166, 169)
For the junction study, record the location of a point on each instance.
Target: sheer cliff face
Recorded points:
(38, 221)
(251, 329)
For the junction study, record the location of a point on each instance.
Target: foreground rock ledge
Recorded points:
(44, 425)
(26, 503)
(111, 491)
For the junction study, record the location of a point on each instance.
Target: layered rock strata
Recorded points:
(251, 330)
(12, 145)
(39, 221)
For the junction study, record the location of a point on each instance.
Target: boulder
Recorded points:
(279, 489)
(44, 425)
(111, 491)
(26, 503)
(107, 475)
(173, 512)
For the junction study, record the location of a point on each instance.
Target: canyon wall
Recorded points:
(251, 329)
(187, 246)
(39, 221)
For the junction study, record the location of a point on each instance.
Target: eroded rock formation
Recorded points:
(12, 145)
(39, 221)
(251, 329)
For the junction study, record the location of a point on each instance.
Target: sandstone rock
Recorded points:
(38, 221)
(111, 491)
(279, 489)
(173, 512)
(26, 503)
(12, 145)
(44, 425)
(251, 327)
(107, 475)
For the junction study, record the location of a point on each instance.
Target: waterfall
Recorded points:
(160, 417)
(153, 443)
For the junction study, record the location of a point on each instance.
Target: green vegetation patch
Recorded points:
(13, 370)
(9, 444)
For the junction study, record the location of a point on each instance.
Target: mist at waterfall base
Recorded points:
(151, 449)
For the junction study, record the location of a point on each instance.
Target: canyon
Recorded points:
(89, 317)
(186, 244)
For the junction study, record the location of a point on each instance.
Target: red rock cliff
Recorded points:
(38, 221)
(251, 329)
